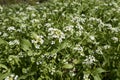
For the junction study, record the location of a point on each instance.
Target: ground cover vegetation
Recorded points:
(60, 39)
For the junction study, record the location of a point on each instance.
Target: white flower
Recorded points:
(30, 8)
(12, 77)
(69, 28)
(19, 30)
(89, 60)
(40, 39)
(99, 51)
(86, 76)
(34, 20)
(11, 28)
(16, 77)
(48, 24)
(114, 29)
(33, 15)
(33, 41)
(106, 46)
(11, 43)
(78, 33)
(80, 27)
(115, 39)
(56, 33)
(37, 46)
(92, 37)
(78, 48)
(53, 42)
(14, 42)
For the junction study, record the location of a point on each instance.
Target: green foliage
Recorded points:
(60, 39)
(9, 2)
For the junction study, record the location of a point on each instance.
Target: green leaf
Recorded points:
(3, 76)
(25, 76)
(3, 66)
(96, 73)
(96, 77)
(15, 58)
(30, 53)
(64, 45)
(2, 41)
(26, 45)
(75, 61)
(39, 78)
(99, 70)
(68, 66)
(33, 35)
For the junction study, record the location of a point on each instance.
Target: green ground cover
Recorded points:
(60, 40)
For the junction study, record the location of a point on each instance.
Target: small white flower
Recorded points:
(16, 42)
(48, 24)
(92, 37)
(5, 35)
(37, 46)
(40, 39)
(80, 27)
(69, 28)
(115, 39)
(53, 42)
(86, 76)
(99, 51)
(33, 15)
(12, 77)
(11, 28)
(78, 48)
(16, 77)
(30, 8)
(11, 43)
(33, 41)
(106, 46)
(114, 29)
(78, 33)
(89, 60)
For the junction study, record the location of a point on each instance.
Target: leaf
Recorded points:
(68, 66)
(30, 53)
(96, 77)
(3, 76)
(33, 35)
(99, 70)
(39, 78)
(26, 45)
(3, 66)
(96, 73)
(2, 41)
(75, 61)
(15, 58)
(25, 76)
(64, 45)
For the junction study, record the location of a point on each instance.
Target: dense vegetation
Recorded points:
(9, 2)
(60, 39)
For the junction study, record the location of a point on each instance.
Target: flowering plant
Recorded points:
(59, 39)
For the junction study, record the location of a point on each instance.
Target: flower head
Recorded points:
(56, 33)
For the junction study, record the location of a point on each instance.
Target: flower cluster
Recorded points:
(56, 33)
(12, 77)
